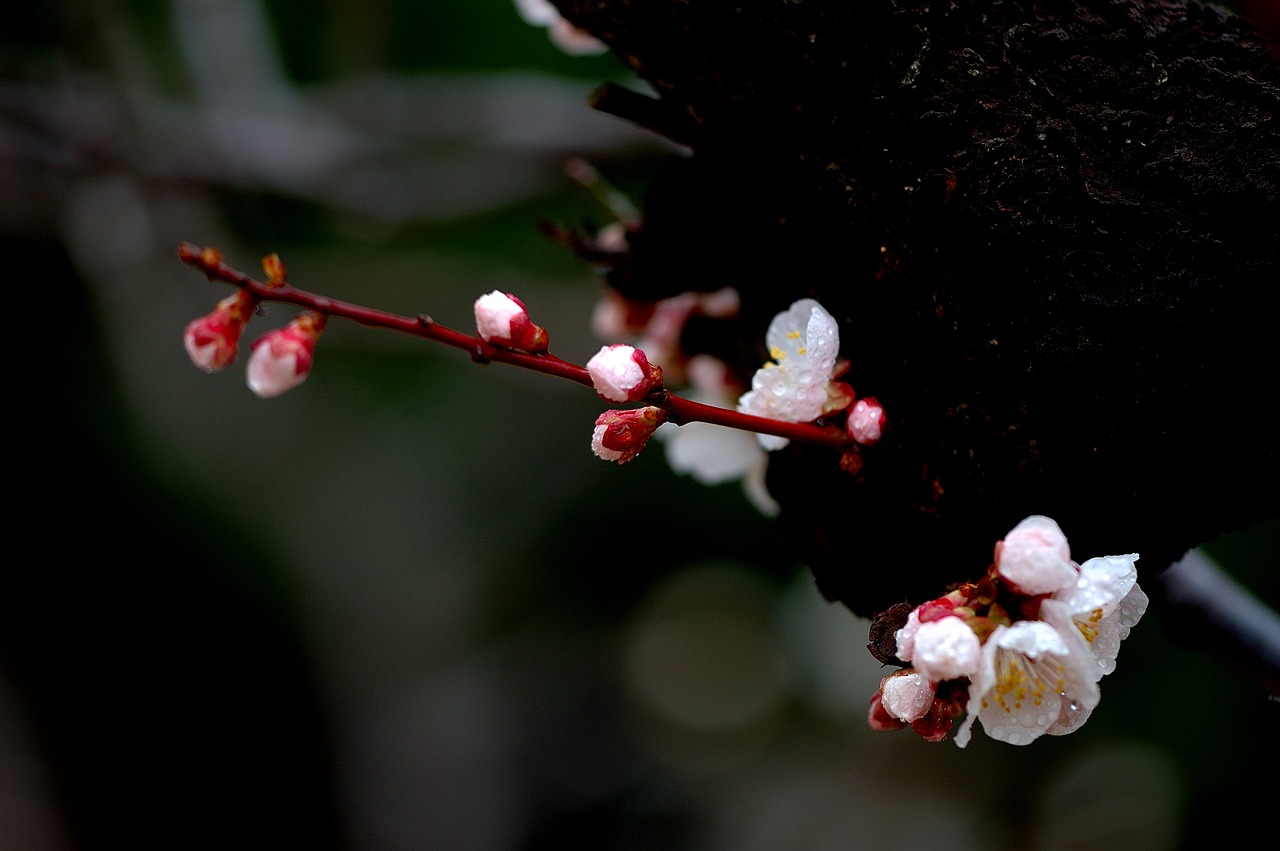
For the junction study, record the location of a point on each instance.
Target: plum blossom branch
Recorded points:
(677, 410)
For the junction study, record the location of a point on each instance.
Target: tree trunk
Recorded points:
(1049, 231)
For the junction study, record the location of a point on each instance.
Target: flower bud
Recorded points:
(946, 649)
(865, 422)
(502, 319)
(620, 435)
(212, 341)
(273, 268)
(622, 373)
(878, 718)
(1035, 558)
(282, 358)
(907, 695)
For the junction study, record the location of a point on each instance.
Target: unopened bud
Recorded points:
(281, 359)
(213, 340)
(620, 435)
(865, 422)
(878, 718)
(622, 373)
(1035, 557)
(946, 649)
(907, 695)
(273, 268)
(502, 319)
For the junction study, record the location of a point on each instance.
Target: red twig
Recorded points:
(679, 410)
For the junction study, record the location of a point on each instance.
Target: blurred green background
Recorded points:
(403, 606)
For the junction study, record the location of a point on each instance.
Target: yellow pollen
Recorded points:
(1089, 627)
(803, 350)
(777, 354)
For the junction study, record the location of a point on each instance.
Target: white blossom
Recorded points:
(1035, 678)
(803, 342)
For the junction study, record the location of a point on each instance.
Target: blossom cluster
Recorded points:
(800, 383)
(1021, 650)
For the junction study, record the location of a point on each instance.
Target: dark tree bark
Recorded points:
(1049, 231)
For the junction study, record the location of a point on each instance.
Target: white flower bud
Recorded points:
(907, 696)
(1035, 558)
(621, 373)
(282, 358)
(946, 649)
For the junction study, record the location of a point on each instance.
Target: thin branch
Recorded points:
(679, 410)
(1223, 617)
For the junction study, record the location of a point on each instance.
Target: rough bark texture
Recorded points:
(1050, 233)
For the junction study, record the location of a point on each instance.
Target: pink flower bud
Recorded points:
(1034, 558)
(212, 341)
(620, 435)
(281, 358)
(502, 319)
(622, 373)
(866, 421)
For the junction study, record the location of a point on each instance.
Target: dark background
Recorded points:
(403, 606)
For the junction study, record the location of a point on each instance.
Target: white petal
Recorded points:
(1102, 583)
(1104, 604)
(539, 13)
(757, 493)
(804, 331)
(711, 454)
(822, 341)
